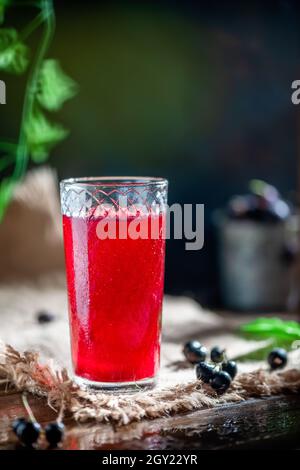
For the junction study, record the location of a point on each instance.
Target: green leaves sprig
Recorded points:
(48, 88)
(54, 86)
(42, 135)
(277, 332)
(14, 55)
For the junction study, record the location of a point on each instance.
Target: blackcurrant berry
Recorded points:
(16, 423)
(205, 372)
(217, 354)
(194, 352)
(28, 432)
(277, 358)
(54, 433)
(230, 367)
(45, 317)
(221, 381)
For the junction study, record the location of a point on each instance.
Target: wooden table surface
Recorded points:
(254, 424)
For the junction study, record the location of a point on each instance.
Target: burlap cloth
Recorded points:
(31, 244)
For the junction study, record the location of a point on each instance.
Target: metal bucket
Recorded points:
(254, 273)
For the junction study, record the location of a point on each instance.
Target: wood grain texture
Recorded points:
(257, 423)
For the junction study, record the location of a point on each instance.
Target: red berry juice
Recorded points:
(115, 292)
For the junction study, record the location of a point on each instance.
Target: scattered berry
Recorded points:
(277, 358)
(54, 433)
(45, 317)
(205, 372)
(230, 367)
(28, 432)
(194, 352)
(217, 354)
(221, 381)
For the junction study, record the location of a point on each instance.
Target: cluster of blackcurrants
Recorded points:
(28, 432)
(263, 203)
(219, 373)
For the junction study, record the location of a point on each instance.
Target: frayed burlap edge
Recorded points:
(25, 372)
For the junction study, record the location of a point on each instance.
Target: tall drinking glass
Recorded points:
(114, 237)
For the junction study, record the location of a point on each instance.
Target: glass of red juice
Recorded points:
(114, 239)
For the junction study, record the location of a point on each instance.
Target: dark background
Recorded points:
(198, 92)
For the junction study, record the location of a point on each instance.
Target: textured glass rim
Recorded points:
(115, 181)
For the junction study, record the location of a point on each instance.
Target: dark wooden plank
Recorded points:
(257, 423)
(11, 407)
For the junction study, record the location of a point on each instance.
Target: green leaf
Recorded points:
(3, 5)
(55, 87)
(42, 135)
(14, 55)
(6, 192)
(276, 333)
(273, 328)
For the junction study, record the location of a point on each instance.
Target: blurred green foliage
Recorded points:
(47, 88)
